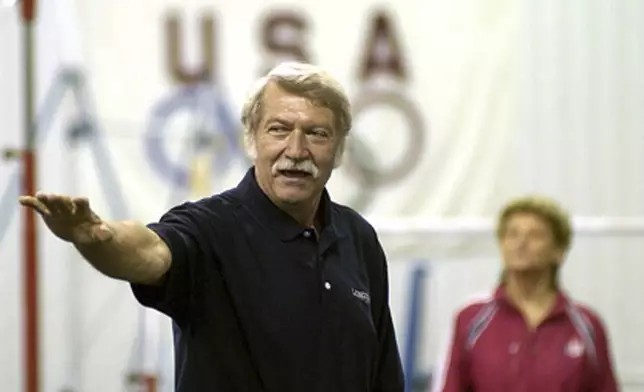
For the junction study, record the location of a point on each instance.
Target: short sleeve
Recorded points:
(179, 229)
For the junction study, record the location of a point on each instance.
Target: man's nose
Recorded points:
(297, 148)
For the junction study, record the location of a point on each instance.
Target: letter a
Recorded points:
(382, 51)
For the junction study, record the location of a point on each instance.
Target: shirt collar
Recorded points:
(561, 305)
(284, 225)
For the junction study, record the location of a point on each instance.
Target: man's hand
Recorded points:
(69, 218)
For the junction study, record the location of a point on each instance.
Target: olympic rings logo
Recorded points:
(219, 127)
(361, 161)
(216, 126)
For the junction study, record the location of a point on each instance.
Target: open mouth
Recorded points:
(294, 173)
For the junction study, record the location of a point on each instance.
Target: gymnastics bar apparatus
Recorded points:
(582, 225)
(25, 181)
(30, 249)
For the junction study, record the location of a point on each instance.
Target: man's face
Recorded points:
(296, 144)
(528, 245)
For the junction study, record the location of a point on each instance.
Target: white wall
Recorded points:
(530, 95)
(581, 92)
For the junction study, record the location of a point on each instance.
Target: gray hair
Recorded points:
(308, 81)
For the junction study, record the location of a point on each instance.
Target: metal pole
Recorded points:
(414, 326)
(32, 348)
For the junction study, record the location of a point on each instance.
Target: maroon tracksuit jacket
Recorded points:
(493, 350)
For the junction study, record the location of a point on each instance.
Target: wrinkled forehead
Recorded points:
(294, 106)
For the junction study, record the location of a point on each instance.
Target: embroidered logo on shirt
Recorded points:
(575, 348)
(361, 295)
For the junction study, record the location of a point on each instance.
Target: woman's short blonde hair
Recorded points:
(308, 81)
(545, 208)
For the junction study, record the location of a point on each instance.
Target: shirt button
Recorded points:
(307, 233)
(327, 285)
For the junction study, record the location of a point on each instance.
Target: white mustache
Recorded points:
(304, 166)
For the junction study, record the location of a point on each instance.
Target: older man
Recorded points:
(271, 285)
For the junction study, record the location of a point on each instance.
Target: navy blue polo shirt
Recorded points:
(260, 303)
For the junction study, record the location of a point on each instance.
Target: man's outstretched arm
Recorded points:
(125, 250)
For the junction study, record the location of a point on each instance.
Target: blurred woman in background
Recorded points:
(529, 336)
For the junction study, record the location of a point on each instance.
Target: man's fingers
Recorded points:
(32, 202)
(68, 204)
(45, 200)
(83, 209)
(57, 204)
(82, 203)
(52, 205)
